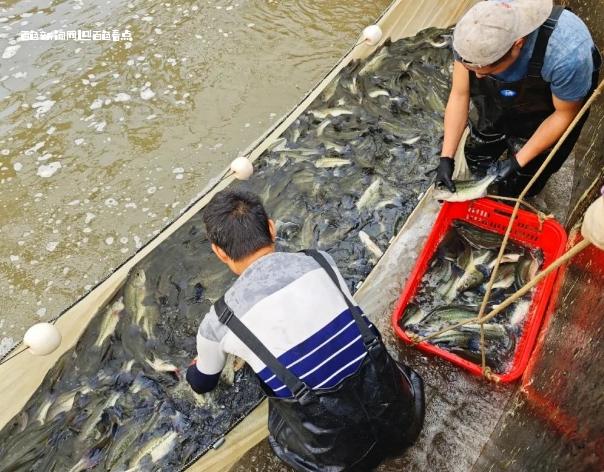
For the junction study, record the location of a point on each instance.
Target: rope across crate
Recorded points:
(481, 318)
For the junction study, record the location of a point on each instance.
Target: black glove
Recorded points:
(503, 169)
(444, 173)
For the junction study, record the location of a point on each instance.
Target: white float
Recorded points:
(242, 168)
(42, 339)
(372, 35)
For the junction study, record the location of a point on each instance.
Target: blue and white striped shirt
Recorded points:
(289, 302)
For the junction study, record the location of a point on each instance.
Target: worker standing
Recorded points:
(337, 400)
(527, 67)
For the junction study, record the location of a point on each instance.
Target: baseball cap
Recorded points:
(488, 30)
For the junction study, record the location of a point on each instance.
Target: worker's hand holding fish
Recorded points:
(593, 223)
(444, 173)
(502, 169)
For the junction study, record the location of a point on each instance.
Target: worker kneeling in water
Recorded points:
(337, 400)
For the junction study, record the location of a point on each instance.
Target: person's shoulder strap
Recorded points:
(545, 31)
(369, 337)
(301, 392)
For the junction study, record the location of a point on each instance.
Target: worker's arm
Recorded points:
(456, 112)
(203, 375)
(549, 131)
(456, 119)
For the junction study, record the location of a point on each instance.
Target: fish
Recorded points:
(137, 300)
(95, 416)
(382, 122)
(126, 438)
(375, 62)
(413, 315)
(160, 365)
(112, 317)
(326, 112)
(465, 190)
(156, 448)
(526, 270)
(482, 239)
(472, 275)
(327, 162)
(373, 248)
(324, 124)
(369, 196)
(64, 402)
(232, 365)
(411, 141)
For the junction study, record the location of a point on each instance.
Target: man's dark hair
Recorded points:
(237, 222)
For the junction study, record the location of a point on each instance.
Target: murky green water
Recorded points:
(103, 143)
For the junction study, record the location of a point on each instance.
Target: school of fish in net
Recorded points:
(343, 178)
(453, 288)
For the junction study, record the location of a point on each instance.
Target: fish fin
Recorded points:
(484, 269)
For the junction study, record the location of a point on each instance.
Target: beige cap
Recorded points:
(488, 30)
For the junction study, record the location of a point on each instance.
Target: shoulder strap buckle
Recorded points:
(302, 394)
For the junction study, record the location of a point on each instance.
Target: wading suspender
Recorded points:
(301, 392)
(545, 31)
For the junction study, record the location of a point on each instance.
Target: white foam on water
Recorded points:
(89, 217)
(179, 176)
(147, 94)
(98, 103)
(109, 241)
(46, 171)
(14, 258)
(17, 166)
(10, 51)
(42, 107)
(151, 190)
(36, 147)
(78, 141)
(178, 170)
(130, 205)
(110, 202)
(99, 127)
(122, 97)
(41, 312)
(51, 245)
(51, 130)
(45, 157)
(6, 343)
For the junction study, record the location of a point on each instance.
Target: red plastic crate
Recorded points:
(492, 216)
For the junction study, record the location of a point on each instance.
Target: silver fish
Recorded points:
(137, 300)
(372, 247)
(466, 190)
(157, 448)
(370, 194)
(329, 162)
(112, 317)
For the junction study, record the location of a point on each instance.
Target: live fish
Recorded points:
(453, 288)
(112, 317)
(465, 190)
(386, 123)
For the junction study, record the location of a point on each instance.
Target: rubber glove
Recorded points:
(503, 169)
(592, 228)
(444, 173)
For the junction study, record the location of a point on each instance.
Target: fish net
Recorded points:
(343, 178)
